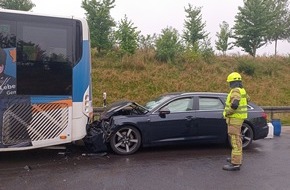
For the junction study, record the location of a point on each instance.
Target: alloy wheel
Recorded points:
(126, 140)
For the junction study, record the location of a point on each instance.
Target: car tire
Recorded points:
(247, 135)
(126, 140)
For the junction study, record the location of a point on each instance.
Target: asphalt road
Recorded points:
(266, 166)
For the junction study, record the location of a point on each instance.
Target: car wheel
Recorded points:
(126, 140)
(247, 135)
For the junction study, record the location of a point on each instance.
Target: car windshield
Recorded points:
(157, 101)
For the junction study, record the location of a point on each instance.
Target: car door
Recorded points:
(209, 119)
(174, 126)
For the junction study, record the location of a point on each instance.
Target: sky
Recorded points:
(151, 16)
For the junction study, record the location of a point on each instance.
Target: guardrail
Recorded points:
(276, 109)
(99, 109)
(267, 109)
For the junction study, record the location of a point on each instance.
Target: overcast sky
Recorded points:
(151, 16)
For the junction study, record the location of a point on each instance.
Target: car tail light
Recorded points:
(264, 115)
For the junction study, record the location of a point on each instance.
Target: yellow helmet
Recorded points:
(234, 76)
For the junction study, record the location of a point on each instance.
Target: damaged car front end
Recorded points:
(102, 133)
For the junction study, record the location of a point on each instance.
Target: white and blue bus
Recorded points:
(45, 80)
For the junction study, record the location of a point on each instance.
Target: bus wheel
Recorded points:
(126, 140)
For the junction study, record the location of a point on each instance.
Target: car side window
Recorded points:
(207, 103)
(180, 105)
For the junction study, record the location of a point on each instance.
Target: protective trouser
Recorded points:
(234, 132)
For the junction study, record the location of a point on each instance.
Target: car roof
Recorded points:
(197, 93)
(216, 94)
(205, 93)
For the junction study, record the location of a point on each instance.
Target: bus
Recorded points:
(45, 80)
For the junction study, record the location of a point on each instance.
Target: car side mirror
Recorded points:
(163, 112)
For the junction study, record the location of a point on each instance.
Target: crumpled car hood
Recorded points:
(115, 107)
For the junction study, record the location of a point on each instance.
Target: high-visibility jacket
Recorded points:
(241, 112)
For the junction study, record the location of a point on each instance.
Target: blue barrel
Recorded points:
(277, 126)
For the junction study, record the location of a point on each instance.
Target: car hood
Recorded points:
(117, 107)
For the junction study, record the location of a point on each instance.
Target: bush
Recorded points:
(168, 46)
(189, 56)
(247, 67)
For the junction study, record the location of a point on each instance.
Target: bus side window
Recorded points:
(7, 34)
(47, 57)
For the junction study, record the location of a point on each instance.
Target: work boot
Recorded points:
(232, 167)
(229, 160)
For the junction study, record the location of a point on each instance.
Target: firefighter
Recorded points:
(235, 113)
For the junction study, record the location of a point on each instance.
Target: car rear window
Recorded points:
(209, 103)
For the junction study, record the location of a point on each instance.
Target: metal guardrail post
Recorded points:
(104, 99)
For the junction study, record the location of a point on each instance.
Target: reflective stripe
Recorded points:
(242, 107)
(237, 149)
(240, 111)
(239, 106)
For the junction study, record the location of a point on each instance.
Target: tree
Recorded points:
(288, 29)
(168, 45)
(280, 24)
(100, 22)
(206, 50)
(127, 36)
(147, 42)
(24, 5)
(252, 25)
(194, 27)
(222, 44)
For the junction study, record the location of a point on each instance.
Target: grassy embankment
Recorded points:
(141, 77)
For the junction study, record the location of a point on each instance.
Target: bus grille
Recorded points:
(25, 122)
